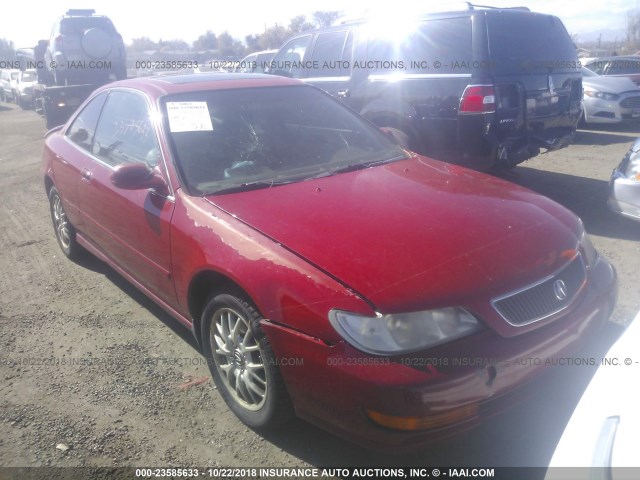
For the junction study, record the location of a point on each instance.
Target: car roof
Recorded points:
(161, 85)
(467, 10)
(346, 23)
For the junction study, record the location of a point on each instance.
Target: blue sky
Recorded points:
(187, 19)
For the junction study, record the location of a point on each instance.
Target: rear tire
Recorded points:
(242, 362)
(65, 233)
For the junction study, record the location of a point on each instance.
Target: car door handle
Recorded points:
(87, 175)
(342, 93)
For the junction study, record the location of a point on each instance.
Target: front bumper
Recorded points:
(624, 195)
(334, 386)
(625, 108)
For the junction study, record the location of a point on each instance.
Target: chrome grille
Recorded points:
(631, 102)
(545, 298)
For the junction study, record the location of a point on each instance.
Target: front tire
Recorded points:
(242, 362)
(65, 233)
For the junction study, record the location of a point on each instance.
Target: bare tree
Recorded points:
(208, 41)
(633, 31)
(299, 24)
(325, 19)
(174, 46)
(141, 44)
(7, 50)
(229, 46)
(252, 42)
(274, 37)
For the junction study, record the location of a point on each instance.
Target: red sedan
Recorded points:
(324, 270)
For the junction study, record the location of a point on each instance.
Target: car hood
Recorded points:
(610, 84)
(415, 233)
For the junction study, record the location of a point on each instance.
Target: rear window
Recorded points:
(441, 46)
(78, 25)
(530, 42)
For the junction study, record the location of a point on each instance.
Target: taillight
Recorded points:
(478, 99)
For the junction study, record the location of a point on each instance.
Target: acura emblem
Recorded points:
(560, 289)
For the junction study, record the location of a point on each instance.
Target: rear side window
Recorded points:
(331, 54)
(624, 66)
(288, 61)
(440, 46)
(526, 42)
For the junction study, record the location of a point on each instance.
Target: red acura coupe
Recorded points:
(324, 270)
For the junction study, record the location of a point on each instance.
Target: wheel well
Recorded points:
(48, 183)
(202, 286)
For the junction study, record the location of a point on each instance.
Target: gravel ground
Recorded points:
(94, 374)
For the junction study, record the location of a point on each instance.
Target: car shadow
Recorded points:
(96, 265)
(586, 197)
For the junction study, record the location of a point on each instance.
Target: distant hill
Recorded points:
(608, 35)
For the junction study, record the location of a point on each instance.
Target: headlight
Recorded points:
(632, 169)
(601, 95)
(589, 252)
(401, 333)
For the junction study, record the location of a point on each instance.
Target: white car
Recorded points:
(602, 433)
(24, 88)
(8, 84)
(609, 99)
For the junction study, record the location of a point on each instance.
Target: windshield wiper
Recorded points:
(355, 166)
(245, 187)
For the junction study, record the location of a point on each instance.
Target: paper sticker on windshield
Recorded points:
(189, 117)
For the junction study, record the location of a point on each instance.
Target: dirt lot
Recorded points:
(86, 361)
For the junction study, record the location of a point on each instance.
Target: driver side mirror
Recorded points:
(138, 176)
(396, 136)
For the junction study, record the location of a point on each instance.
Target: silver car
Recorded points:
(24, 91)
(609, 99)
(624, 186)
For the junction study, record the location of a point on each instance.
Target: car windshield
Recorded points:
(230, 140)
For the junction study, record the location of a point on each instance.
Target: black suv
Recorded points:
(83, 47)
(481, 86)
